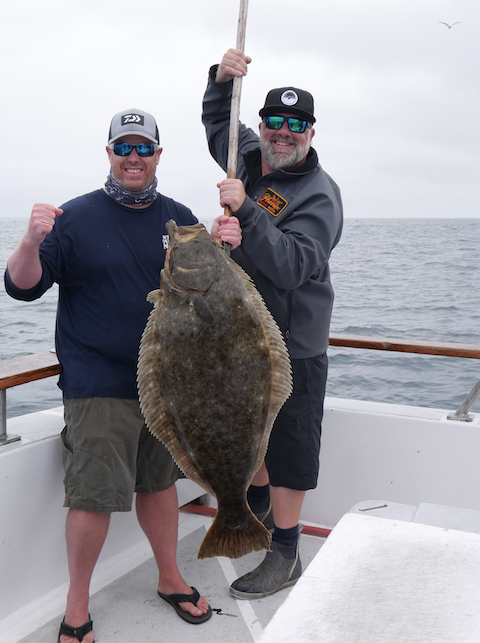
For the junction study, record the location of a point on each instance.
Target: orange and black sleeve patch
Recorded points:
(272, 202)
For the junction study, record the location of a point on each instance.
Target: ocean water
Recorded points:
(412, 279)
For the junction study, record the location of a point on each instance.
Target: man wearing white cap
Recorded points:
(106, 249)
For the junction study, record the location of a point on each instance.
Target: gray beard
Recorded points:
(283, 160)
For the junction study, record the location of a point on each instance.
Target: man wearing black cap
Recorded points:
(290, 212)
(106, 250)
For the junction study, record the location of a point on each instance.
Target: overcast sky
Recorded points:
(396, 93)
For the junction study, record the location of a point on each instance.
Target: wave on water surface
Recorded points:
(411, 279)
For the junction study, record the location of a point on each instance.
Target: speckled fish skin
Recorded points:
(213, 372)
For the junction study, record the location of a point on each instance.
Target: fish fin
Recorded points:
(282, 384)
(203, 311)
(154, 296)
(234, 542)
(153, 408)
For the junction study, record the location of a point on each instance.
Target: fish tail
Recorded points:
(235, 542)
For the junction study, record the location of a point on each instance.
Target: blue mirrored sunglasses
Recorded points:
(296, 125)
(124, 149)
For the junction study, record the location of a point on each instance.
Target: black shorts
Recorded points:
(293, 453)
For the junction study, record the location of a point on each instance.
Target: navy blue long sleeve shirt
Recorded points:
(106, 258)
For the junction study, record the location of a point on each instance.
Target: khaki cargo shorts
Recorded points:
(108, 454)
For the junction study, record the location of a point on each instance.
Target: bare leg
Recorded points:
(158, 517)
(286, 503)
(260, 479)
(85, 534)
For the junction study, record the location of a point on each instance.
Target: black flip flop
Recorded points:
(175, 599)
(77, 632)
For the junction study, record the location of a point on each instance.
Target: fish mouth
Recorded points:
(182, 235)
(189, 266)
(186, 232)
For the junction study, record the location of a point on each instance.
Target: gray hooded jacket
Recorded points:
(290, 220)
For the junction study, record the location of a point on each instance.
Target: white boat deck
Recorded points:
(415, 458)
(128, 609)
(388, 573)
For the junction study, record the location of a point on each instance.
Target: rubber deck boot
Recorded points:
(275, 573)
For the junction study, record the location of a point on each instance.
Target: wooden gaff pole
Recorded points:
(235, 107)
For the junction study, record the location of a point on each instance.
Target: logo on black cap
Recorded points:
(127, 119)
(289, 97)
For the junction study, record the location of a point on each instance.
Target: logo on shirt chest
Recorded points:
(272, 202)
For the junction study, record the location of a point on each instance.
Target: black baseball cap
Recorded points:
(291, 101)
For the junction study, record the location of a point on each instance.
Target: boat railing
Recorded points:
(21, 370)
(29, 368)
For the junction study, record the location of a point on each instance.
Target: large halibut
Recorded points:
(213, 373)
